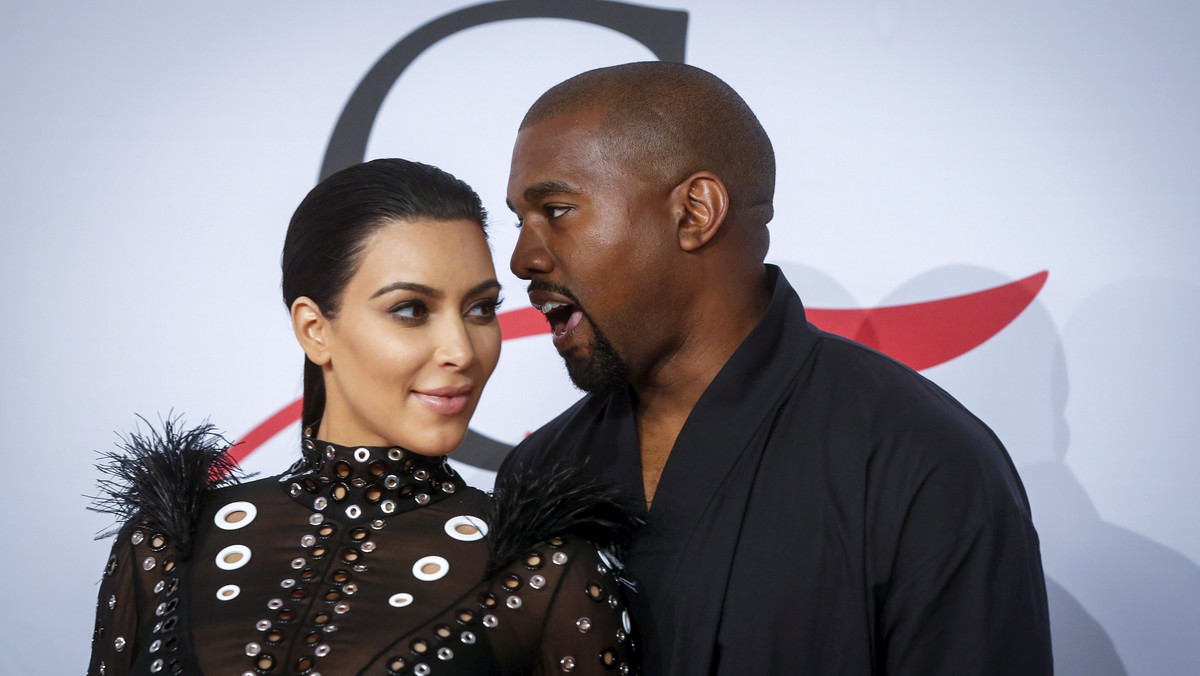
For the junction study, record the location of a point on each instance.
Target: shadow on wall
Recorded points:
(1120, 602)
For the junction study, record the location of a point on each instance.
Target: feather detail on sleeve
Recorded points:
(161, 477)
(536, 505)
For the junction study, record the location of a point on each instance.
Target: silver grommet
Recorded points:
(430, 568)
(466, 528)
(235, 515)
(362, 454)
(233, 557)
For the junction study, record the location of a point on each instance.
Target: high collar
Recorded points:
(358, 483)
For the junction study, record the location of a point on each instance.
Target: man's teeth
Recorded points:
(547, 308)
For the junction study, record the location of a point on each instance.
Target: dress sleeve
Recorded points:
(556, 609)
(587, 628)
(114, 638)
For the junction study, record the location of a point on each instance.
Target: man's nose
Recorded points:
(530, 258)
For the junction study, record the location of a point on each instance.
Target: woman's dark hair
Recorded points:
(330, 228)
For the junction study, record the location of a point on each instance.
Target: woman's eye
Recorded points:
(410, 310)
(555, 212)
(485, 309)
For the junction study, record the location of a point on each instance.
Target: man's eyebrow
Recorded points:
(411, 286)
(543, 189)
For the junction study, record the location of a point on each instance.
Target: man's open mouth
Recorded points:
(562, 316)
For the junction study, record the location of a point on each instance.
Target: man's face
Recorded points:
(592, 244)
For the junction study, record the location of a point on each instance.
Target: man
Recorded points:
(813, 507)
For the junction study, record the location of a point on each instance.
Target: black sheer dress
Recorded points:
(355, 561)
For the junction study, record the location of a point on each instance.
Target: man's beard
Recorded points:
(603, 372)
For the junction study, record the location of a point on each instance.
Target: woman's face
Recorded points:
(415, 339)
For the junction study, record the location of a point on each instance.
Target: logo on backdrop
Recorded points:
(919, 334)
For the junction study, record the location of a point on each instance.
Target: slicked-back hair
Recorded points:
(670, 120)
(329, 231)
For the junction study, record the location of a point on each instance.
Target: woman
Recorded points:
(368, 556)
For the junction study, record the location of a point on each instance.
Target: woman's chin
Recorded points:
(436, 445)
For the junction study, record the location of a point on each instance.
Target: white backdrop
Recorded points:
(153, 152)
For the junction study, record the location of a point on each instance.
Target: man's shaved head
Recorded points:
(668, 121)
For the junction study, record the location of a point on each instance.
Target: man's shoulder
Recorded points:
(893, 410)
(555, 435)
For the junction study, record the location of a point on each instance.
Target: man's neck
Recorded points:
(669, 391)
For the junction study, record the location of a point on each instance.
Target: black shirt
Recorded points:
(825, 510)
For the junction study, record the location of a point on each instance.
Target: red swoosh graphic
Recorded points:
(927, 334)
(920, 335)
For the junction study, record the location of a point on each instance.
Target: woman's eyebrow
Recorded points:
(484, 286)
(410, 286)
(432, 292)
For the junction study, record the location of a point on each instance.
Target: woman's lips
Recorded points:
(447, 401)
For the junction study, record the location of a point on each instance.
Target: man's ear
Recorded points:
(702, 204)
(311, 329)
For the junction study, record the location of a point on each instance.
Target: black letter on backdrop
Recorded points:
(662, 31)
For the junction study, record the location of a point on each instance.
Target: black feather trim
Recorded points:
(534, 506)
(160, 477)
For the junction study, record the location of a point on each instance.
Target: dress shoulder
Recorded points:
(536, 504)
(553, 597)
(160, 478)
